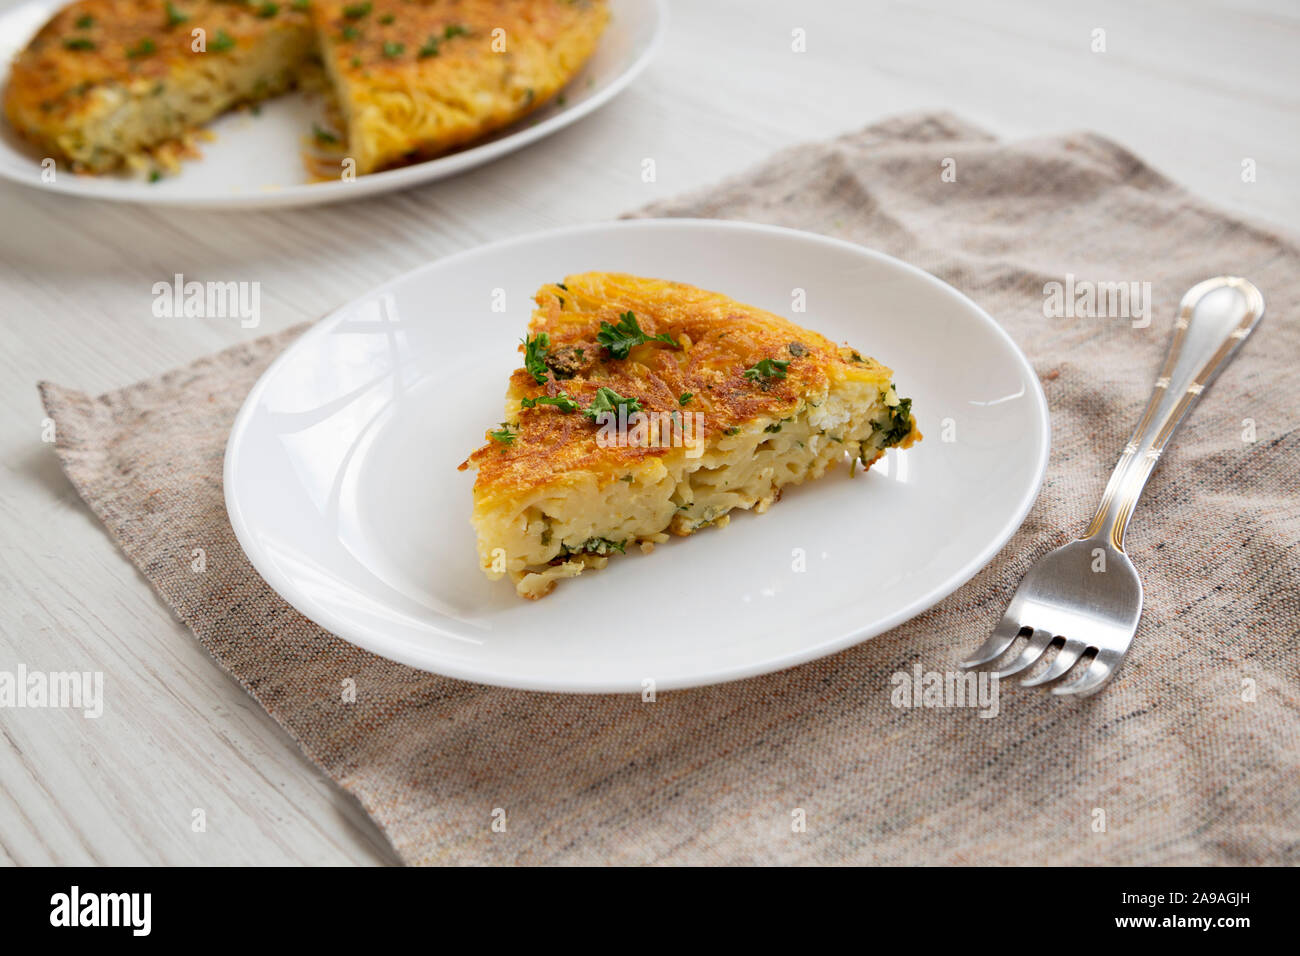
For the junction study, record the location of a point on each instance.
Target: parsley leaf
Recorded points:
(609, 401)
(685, 397)
(504, 435)
(619, 339)
(766, 370)
(900, 424)
(562, 401)
(535, 356)
(146, 47)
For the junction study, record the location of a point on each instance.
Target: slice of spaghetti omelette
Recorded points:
(646, 407)
(416, 78)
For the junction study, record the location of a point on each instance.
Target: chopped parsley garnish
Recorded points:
(900, 423)
(797, 349)
(356, 11)
(394, 50)
(155, 175)
(268, 10)
(455, 30)
(224, 41)
(145, 47)
(387, 18)
(174, 16)
(535, 356)
(766, 370)
(78, 43)
(562, 286)
(609, 401)
(562, 401)
(350, 32)
(301, 4)
(604, 545)
(429, 49)
(733, 430)
(85, 22)
(619, 339)
(685, 397)
(504, 435)
(323, 135)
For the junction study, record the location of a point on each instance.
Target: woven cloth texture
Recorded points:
(1190, 756)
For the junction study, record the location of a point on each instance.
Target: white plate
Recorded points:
(255, 161)
(342, 487)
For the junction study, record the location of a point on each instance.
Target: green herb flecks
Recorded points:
(78, 43)
(267, 10)
(145, 47)
(608, 401)
(602, 546)
(223, 42)
(174, 16)
(355, 11)
(620, 339)
(505, 434)
(85, 22)
(429, 49)
(454, 30)
(685, 397)
(322, 135)
(900, 424)
(562, 401)
(535, 356)
(393, 50)
(767, 370)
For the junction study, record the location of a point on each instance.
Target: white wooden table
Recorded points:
(1194, 86)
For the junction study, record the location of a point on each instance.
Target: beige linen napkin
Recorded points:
(1191, 756)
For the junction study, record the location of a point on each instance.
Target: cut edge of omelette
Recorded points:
(647, 408)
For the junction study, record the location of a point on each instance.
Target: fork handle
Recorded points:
(1213, 320)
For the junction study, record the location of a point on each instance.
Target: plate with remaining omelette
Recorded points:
(668, 451)
(214, 103)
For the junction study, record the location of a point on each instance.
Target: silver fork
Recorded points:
(1085, 596)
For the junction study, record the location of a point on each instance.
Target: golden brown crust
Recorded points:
(416, 79)
(720, 340)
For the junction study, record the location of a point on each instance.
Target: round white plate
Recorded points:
(255, 160)
(342, 487)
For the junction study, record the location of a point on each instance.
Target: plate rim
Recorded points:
(421, 660)
(390, 180)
